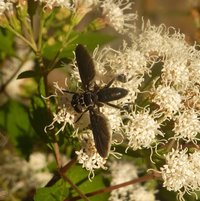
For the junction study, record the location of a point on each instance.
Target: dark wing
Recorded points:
(110, 94)
(85, 66)
(101, 132)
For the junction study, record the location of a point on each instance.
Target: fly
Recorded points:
(92, 99)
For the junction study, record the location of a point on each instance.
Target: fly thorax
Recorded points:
(81, 102)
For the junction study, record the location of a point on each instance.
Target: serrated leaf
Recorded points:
(27, 74)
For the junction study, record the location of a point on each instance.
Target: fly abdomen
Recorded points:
(111, 94)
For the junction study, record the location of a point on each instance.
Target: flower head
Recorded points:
(141, 130)
(195, 165)
(88, 156)
(176, 171)
(64, 114)
(180, 172)
(161, 41)
(168, 99)
(187, 126)
(117, 15)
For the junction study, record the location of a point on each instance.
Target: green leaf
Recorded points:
(56, 192)
(49, 51)
(39, 117)
(165, 195)
(14, 120)
(90, 39)
(27, 74)
(79, 176)
(62, 190)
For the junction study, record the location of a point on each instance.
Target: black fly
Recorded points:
(91, 99)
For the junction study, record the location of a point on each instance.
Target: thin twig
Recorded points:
(57, 175)
(110, 188)
(82, 195)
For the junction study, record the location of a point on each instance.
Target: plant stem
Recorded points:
(23, 38)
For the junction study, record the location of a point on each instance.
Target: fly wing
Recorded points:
(101, 132)
(85, 66)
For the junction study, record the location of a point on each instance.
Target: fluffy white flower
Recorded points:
(117, 14)
(88, 156)
(61, 117)
(187, 126)
(194, 68)
(64, 114)
(181, 172)
(168, 99)
(176, 171)
(195, 166)
(56, 3)
(161, 41)
(141, 130)
(176, 72)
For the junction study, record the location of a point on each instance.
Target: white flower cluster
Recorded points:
(161, 72)
(123, 171)
(173, 99)
(115, 13)
(181, 172)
